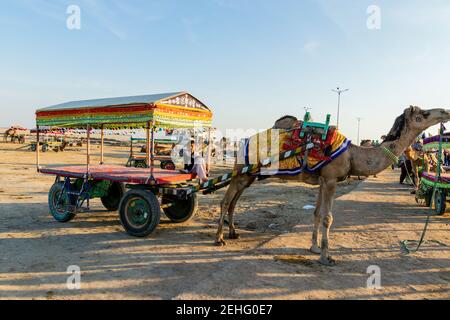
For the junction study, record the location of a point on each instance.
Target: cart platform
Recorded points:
(120, 174)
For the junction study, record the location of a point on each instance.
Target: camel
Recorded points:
(13, 133)
(355, 161)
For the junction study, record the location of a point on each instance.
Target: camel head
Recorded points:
(417, 120)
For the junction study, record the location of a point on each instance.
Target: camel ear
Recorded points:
(410, 111)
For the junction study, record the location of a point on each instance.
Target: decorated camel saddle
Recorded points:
(316, 144)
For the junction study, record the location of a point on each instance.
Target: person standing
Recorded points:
(406, 168)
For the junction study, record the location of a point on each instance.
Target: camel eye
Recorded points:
(418, 119)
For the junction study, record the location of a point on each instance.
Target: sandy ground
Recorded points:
(270, 261)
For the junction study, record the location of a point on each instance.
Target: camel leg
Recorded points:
(233, 234)
(328, 191)
(317, 219)
(237, 186)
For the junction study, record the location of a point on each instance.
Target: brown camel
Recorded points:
(11, 132)
(355, 161)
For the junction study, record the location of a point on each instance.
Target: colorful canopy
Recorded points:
(167, 110)
(432, 143)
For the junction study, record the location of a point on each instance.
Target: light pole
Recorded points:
(359, 122)
(339, 91)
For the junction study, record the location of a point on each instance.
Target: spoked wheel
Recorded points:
(440, 201)
(168, 165)
(139, 212)
(115, 193)
(179, 211)
(62, 207)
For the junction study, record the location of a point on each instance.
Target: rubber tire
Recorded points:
(44, 148)
(111, 201)
(33, 148)
(168, 165)
(183, 210)
(428, 198)
(440, 201)
(67, 216)
(153, 219)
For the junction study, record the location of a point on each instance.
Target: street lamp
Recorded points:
(359, 122)
(339, 91)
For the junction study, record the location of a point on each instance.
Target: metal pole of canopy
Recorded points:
(37, 150)
(152, 153)
(131, 147)
(208, 164)
(148, 142)
(88, 148)
(102, 155)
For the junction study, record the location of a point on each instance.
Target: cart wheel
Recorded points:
(180, 210)
(167, 165)
(33, 148)
(63, 212)
(44, 148)
(440, 199)
(115, 193)
(139, 212)
(427, 198)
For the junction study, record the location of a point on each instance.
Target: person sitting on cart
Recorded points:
(195, 164)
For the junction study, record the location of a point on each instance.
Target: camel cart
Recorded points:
(149, 189)
(139, 160)
(435, 186)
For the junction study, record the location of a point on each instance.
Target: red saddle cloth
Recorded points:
(322, 148)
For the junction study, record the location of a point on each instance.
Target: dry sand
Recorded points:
(270, 261)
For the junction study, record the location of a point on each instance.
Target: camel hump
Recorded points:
(287, 122)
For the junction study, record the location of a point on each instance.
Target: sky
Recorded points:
(250, 61)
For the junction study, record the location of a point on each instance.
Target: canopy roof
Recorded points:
(167, 110)
(432, 143)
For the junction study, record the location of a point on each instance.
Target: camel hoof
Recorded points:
(327, 261)
(220, 243)
(315, 250)
(234, 235)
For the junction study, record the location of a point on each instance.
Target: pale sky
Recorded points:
(251, 61)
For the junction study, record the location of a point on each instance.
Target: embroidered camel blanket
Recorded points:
(276, 141)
